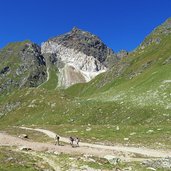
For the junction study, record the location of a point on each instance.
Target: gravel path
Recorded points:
(124, 153)
(142, 151)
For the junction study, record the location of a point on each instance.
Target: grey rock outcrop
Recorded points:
(23, 136)
(164, 163)
(122, 54)
(112, 159)
(78, 55)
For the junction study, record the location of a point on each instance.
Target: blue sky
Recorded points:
(121, 24)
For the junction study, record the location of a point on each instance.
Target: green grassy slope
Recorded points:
(56, 111)
(15, 160)
(52, 82)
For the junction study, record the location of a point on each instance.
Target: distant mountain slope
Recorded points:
(21, 65)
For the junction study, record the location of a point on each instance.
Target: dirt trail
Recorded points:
(99, 150)
(8, 140)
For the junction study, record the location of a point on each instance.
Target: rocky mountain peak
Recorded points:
(75, 29)
(84, 42)
(85, 52)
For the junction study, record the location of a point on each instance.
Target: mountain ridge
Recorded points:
(75, 67)
(77, 57)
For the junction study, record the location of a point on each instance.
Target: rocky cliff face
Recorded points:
(78, 55)
(21, 65)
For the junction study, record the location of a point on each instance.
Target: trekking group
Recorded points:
(74, 141)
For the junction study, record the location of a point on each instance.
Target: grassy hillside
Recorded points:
(15, 160)
(90, 119)
(52, 81)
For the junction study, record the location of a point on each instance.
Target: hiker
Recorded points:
(77, 140)
(57, 139)
(71, 139)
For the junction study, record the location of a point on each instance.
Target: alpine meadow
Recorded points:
(118, 104)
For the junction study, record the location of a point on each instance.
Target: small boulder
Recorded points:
(126, 139)
(112, 159)
(150, 131)
(24, 136)
(25, 148)
(117, 128)
(88, 129)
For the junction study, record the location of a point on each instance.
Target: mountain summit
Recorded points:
(78, 55)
